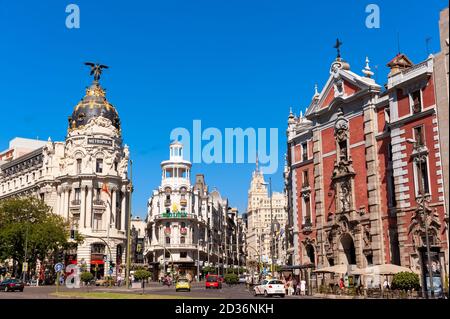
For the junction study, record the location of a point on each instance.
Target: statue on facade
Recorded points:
(122, 168)
(344, 196)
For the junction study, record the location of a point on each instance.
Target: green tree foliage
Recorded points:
(86, 277)
(209, 270)
(231, 279)
(406, 281)
(28, 219)
(142, 274)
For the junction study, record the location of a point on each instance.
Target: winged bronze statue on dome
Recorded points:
(96, 69)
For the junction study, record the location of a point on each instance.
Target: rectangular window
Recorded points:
(305, 151)
(183, 254)
(416, 98)
(77, 194)
(167, 254)
(307, 202)
(418, 135)
(98, 222)
(422, 177)
(79, 166)
(305, 178)
(99, 165)
(182, 240)
(167, 240)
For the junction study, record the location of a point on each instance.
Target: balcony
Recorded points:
(99, 202)
(75, 202)
(176, 215)
(307, 225)
(167, 203)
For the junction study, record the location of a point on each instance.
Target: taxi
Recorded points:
(183, 284)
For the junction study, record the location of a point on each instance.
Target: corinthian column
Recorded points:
(123, 210)
(113, 205)
(83, 206)
(88, 222)
(65, 202)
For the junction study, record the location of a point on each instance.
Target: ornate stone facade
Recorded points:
(351, 149)
(83, 179)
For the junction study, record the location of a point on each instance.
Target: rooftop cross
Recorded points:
(338, 47)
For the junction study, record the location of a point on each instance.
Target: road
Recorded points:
(197, 291)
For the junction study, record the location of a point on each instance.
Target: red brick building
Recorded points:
(360, 163)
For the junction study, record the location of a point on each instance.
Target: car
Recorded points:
(272, 287)
(213, 281)
(11, 285)
(242, 279)
(182, 284)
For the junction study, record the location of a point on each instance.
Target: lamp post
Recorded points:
(128, 256)
(26, 252)
(421, 158)
(198, 258)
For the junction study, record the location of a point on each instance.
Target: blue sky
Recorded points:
(227, 63)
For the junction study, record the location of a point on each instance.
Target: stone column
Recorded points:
(83, 206)
(124, 209)
(89, 203)
(58, 200)
(113, 205)
(65, 204)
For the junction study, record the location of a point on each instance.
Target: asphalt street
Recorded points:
(197, 291)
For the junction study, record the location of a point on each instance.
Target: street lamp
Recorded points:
(199, 241)
(128, 255)
(271, 225)
(421, 158)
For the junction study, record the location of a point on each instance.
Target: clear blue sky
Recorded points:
(228, 63)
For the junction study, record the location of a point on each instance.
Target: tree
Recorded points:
(406, 281)
(142, 275)
(231, 278)
(86, 277)
(28, 221)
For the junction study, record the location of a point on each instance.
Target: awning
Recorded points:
(385, 269)
(97, 262)
(337, 269)
(305, 266)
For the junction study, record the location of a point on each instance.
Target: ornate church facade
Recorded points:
(83, 179)
(363, 174)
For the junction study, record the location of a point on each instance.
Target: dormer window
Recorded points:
(416, 99)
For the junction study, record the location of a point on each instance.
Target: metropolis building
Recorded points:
(83, 179)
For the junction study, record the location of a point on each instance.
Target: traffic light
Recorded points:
(61, 255)
(111, 264)
(72, 234)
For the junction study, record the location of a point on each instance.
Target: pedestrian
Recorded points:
(291, 288)
(295, 284)
(119, 280)
(385, 284)
(341, 284)
(303, 287)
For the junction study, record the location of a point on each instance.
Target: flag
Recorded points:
(105, 189)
